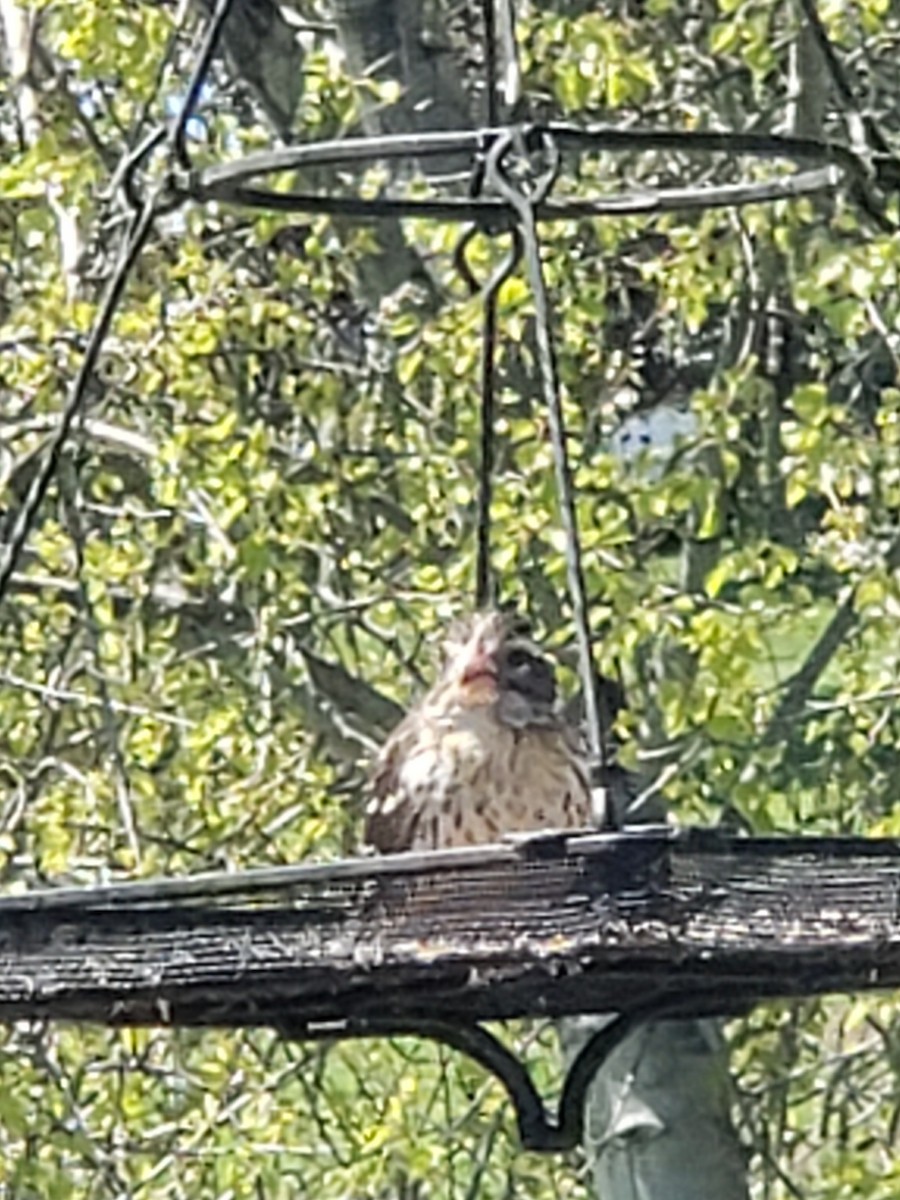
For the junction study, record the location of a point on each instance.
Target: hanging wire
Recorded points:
(490, 62)
(21, 527)
(144, 214)
(511, 86)
(197, 80)
(525, 204)
(484, 589)
(484, 585)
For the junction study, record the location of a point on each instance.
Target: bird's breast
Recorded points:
(476, 780)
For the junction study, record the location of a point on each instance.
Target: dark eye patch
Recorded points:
(517, 626)
(524, 672)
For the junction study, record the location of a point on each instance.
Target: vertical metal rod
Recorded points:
(484, 590)
(524, 206)
(490, 62)
(198, 77)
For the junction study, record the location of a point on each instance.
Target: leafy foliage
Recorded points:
(267, 516)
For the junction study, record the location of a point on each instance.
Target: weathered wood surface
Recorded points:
(551, 926)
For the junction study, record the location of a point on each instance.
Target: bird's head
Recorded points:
(491, 662)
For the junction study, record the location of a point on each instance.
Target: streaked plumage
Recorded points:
(484, 753)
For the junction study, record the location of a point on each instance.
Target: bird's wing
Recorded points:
(391, 818)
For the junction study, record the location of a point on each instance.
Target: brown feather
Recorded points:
(390, 824)
(483, 753)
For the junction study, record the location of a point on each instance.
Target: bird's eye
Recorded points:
(518, 626)
(529, 675)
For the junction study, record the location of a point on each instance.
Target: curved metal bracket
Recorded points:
(537, 1130)
(501, 272)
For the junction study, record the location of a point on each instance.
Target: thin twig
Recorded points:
(800, 686)
(120, 771)
(60, 695)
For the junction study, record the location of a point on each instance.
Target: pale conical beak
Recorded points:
(479, 664)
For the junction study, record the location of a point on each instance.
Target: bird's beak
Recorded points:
(479, 664)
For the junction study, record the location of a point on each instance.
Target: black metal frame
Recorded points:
(538, 1131)
(835, 165)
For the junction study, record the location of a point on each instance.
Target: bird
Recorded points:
(485, 753)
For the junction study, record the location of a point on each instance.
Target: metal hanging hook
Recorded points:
(503, 270)
(496, 176)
